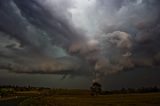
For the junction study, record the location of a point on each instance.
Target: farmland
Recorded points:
(77, 97)
(86, 100)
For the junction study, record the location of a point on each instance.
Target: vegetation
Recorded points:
(35, 96)
(131, 90)
(150, 99)
(95, 89)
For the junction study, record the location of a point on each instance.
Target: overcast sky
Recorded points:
(71, 43)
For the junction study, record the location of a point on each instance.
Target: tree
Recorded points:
(95, 88)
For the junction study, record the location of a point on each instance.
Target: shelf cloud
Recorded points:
(79, 37)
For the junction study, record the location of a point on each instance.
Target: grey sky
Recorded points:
(66, 41)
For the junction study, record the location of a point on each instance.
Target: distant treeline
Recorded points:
(19, 90)
(133, 90)
(22, 88)
(12, 90)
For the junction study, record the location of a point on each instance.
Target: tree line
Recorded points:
(133, 90)
(95, 89)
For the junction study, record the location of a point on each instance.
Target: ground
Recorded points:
(70, 98)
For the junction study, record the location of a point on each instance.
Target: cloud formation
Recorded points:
(78, 37)
(127, 34)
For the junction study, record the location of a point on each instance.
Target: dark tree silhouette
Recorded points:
(95, 89)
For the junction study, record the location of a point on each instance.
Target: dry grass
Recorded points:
(149, 99)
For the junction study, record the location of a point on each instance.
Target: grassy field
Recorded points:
(17, 97)
(12, 101)
(149, 99)
(60, 97)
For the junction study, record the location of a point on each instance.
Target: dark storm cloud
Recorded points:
(141, 20)
(127, 32)
(35, 37)
(74, 37)
(54, 20)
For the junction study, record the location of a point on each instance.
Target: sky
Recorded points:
(72, 43)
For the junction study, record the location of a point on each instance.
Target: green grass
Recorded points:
(148, 99)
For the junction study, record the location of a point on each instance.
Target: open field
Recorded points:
(13, 101)
(150, 99)
(78, 98)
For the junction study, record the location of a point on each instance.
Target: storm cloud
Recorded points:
(79, 37)
(35, 37)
